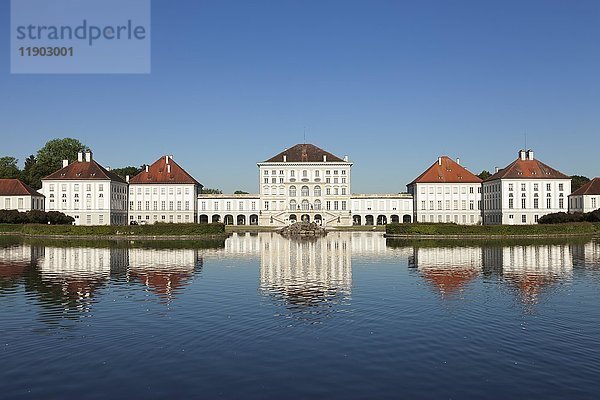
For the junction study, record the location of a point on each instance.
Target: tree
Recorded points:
(49, 158)
(240, 192)
(131, 171)
(578, 181)
(8, 168)
(26, 174)
(211, 191)
(484, 174)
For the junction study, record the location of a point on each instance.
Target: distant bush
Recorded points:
(34, 217)
(114, 230)
(561, 217)
(489, 230)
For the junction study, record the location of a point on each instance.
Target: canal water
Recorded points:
(347, 316)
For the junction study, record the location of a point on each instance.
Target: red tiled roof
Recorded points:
(449, 280)
(592, 187)
(304, 153)
(84, 170)
(14, 187)
(527, 169)
(446, 170)
(159, 173)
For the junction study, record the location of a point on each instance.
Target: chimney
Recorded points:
(497, 169)
(458, 160)
(345, 158)
(65, 163)
(146, 167)
(530, 154)
(108, 168)
(169, 168)
(324, 158)
(80, 156)
(522, 154)
(439, 160)
(167, 159)
(284, 158)
(127, 178)
(88, 156)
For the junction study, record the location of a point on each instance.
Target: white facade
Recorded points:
(313, 191)
(587, 198)
(458, 203)
(446, 193)
(90, 200)
(584, 203)
(381, 209)
(22, 203)
(165, 193)
(230, 209)
(16, 195)
(174, 203)
(522, 201)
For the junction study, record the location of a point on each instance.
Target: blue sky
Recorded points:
(393, 84)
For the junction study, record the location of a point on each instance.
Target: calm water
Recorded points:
(347, 316)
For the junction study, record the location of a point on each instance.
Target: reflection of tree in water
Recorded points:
(311, 277)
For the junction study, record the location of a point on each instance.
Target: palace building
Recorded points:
(16, 195)
(524, 191)
(447, 192)
(87, 191)
(586, 198)
(163, 192)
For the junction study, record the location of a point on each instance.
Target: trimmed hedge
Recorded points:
(491, 230)
(561, 217)
(34, 217)
(133, 230)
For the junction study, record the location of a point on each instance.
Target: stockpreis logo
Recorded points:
(80, 36)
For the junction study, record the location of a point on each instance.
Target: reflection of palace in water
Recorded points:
(306, 271)
(530, 268)
(164, 271)
(448, 269)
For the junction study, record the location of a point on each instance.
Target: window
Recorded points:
(464, 204)
(305, 191)
(328, 205)
(523, 187)
(422, 205)
(523, 201)
(561, 203)
(447, 205)
(163, 205)
(317, 190)
(170, 206)
(155, 206)
(536, 218)
(524, 219)
(273, 172)
(343, 191)
(274, 180)
(561, 186)
(187, 205)
(471, 190)
(335, 191)
(304, 173)
(317, 204)
(292, 191)
(266, 172)
(328, 191)
(228, 206)
(131, 205)
(139, 205)
(594, 203)
(327, 180)
(510, 187)
(536, 203)
(455, 204)
(266, 180)
(511, 203)
(548, 187)
(335, 205)
(471, 205)
(266, 205)
(335, 172)
(343, 205)
(292, 173)
(147, 205)
(439, 205)
(292, 204)
(548, 203)
(536, 187)
(241, 206)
